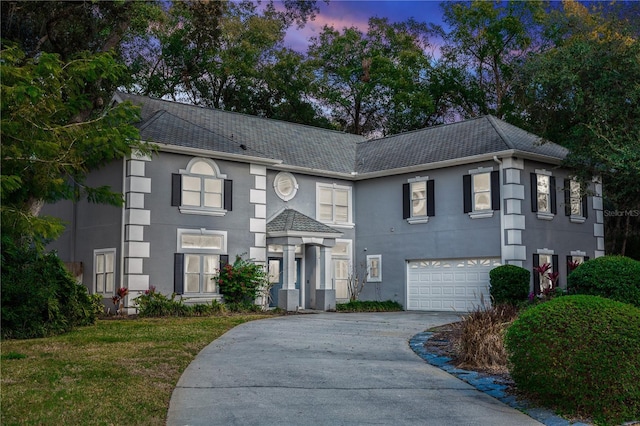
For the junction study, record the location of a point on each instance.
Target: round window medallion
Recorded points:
(285, 186)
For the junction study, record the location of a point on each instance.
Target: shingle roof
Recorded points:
(317, 149)
(291, 220)
(483, 135)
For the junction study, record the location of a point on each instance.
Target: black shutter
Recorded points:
(228, 195)
(586, 258)
(569, 260)
(466, 189)
(176, 189)
(406, 201)
(536, 275)
(224, 259)
(495, 190)
(555, 267)
(431, 206)
(567, 197)
(585, 206)
(552, 194)
(178, 273)
(534, 193)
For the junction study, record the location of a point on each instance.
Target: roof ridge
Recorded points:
(437, 126)
(493, 120)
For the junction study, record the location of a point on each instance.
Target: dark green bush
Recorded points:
(39, 296)
(154, 304)
(579, 355)
(613, 277)
(369, 306)
(509, 284)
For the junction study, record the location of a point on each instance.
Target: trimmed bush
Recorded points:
(154, 304)
(613, 277)
(39, 296)
(369, 306)
(579, 355)
(241, 282)
(509, 284)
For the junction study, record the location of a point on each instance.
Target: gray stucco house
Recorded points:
(423, 215)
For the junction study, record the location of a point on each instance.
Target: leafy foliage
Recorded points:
(613, 277)
(39, 296)
(579, 354)
(509, 284)
(369, 306)
(241, 281)
(155, 304)
(48, 145)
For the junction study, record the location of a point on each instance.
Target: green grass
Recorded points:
(115, 372)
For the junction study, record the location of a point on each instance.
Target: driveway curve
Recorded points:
(329, 369)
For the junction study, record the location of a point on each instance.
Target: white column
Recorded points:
(288, 267)
(325, 269)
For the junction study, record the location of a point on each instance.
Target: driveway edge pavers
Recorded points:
(486, 384)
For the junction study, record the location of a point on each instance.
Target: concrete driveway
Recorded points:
(329, 369)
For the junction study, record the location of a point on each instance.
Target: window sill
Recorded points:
(481, 214)
(545, 215)
(577, 219)
(203, 212)
(416, 220)
(340, 225)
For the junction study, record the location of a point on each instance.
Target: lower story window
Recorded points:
(341, 259)
(104, 270)
(199, 272)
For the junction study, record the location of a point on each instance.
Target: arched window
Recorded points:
(202, 189)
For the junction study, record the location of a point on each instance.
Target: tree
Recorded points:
(487, 42)
(372, 82)
(584, 94)
(47, 150)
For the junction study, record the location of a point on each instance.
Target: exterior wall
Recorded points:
(167, 219)
(451, 233)
(559, 234)
(90, 226)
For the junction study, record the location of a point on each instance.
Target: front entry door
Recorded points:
(275, 278)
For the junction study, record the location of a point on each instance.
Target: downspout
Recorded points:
(502, 207)
(122, 219)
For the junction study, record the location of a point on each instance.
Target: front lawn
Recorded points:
(115, 372)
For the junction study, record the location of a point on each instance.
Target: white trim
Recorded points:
(577, 219)
(200, 231)
(334, 186)
(479, 170)
(294, 186)
(545, 251)
(212, 153)
(96, 252)
(481, 214)
(543, 172)
(418, 219)
(545, 215)
(139, 184)
(418, 179)
(578, 253)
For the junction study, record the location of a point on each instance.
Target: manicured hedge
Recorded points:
(369, 306)
(613, 277)
(579, 355)
(509, 284)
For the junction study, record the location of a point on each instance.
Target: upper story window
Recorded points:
(575, 202)
(418, 200)
(543, 194)
(333, 204)
(104, 270)
(481, 188)
(201, 189)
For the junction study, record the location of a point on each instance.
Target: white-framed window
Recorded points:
(545, 271)
(285, 185)
(333, 204)
(418, 200)
(200, 251)
(481, 189)
(341, 262)
(104, 271)
(201, 189)
(543, 195)
(575, 201)
(374, 268)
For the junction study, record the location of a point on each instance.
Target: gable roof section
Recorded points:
(292, 222)
(316, 150)
(480, 136)
(297, 145)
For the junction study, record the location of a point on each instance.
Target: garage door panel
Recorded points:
(449, 285)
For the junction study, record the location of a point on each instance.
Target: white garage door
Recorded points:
(449, 284)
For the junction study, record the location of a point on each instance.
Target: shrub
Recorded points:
(509, 284)
(241, 281)
(479, 341)
(613, 277)
(154, 304)
(369, 306)
(39, 296)
(579, 355)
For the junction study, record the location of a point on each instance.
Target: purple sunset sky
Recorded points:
(348, 13)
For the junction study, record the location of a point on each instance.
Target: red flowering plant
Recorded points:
(118, 299)
(241, 281)
(573, 264)
(548, 281)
